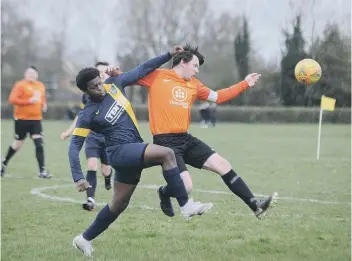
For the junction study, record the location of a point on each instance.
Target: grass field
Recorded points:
(310, 222)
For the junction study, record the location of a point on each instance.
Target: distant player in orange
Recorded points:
(171, 96)
(28, 98)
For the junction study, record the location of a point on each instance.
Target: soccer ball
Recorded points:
(307, 71)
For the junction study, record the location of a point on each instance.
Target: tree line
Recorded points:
(225, 40)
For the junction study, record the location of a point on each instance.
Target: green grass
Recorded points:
(269, 158)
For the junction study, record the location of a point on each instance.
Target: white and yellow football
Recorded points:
(308, 71)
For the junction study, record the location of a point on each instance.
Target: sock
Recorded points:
(9, 155)
(103, 220)
(239, 188)
(39, 153)
(92, 180)
(175, 186)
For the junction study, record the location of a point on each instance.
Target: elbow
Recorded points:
(219, 101)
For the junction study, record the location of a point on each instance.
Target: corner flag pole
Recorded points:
(327, 104)
(319, 132)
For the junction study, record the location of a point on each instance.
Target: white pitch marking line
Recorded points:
(38, 192)
(260, 195)
(151, 186)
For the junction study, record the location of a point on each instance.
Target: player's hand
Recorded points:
(113, 71)
(34, 99)
(45, 107)
(82, 185)
(65, 135)
(252, 78)
(177, 49)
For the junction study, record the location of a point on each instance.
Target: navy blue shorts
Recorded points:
(128, 162)
(95, 148)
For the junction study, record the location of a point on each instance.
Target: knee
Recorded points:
(224, 164)
(105, 170)
(119, 206)
(92, 164)
(169, 156)
(17, 144)
(218, 164)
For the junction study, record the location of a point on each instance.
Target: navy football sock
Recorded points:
(9, 155)
(175, 186)
(92, 180)
(103, 220)
(239, 188)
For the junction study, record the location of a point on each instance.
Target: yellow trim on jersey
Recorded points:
(115, 92)
(82, 106)
(81, 132)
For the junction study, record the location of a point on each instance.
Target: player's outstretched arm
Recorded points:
(75, 164)
(224, 95)
(80, 133)
(132, 76)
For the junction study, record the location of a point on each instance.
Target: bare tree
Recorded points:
(157, 25)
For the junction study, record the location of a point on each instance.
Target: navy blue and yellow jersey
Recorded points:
(93, 135)
(112, 117)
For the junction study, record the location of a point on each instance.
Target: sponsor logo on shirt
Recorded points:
(114, 112)
(180, 95)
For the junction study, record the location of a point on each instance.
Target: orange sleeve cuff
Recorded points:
(227, 94)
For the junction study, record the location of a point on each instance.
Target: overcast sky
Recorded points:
(266, 19)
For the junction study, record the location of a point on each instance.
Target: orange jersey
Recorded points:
(20, 95)
(171, 99)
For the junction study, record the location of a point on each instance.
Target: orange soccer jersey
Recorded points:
(171, 99)
(19, 97)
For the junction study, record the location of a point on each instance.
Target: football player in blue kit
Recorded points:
(94, 150)
(109, 112)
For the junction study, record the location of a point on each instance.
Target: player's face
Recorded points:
(102, 70)
(30, 75)
(95, 89)
(191, 68)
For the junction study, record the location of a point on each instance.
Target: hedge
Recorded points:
(227, 114)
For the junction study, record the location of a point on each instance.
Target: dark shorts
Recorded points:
(188, 149)
(22, 127)
(95, 148)
(128, 162)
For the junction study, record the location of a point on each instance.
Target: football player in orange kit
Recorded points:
(28, 98)
(171, 96)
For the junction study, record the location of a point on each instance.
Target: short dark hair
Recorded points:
(84, 76)
(187, 55)
(101, 63)
(33, 67)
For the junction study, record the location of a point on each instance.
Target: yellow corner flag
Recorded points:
(327, 103)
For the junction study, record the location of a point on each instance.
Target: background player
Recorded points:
(28, 98)
(110, 113)
(171, 96)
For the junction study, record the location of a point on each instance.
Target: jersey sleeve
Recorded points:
(147, 81)
(80, 133)
(220, 96)
(132, 76)
(16, 95)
